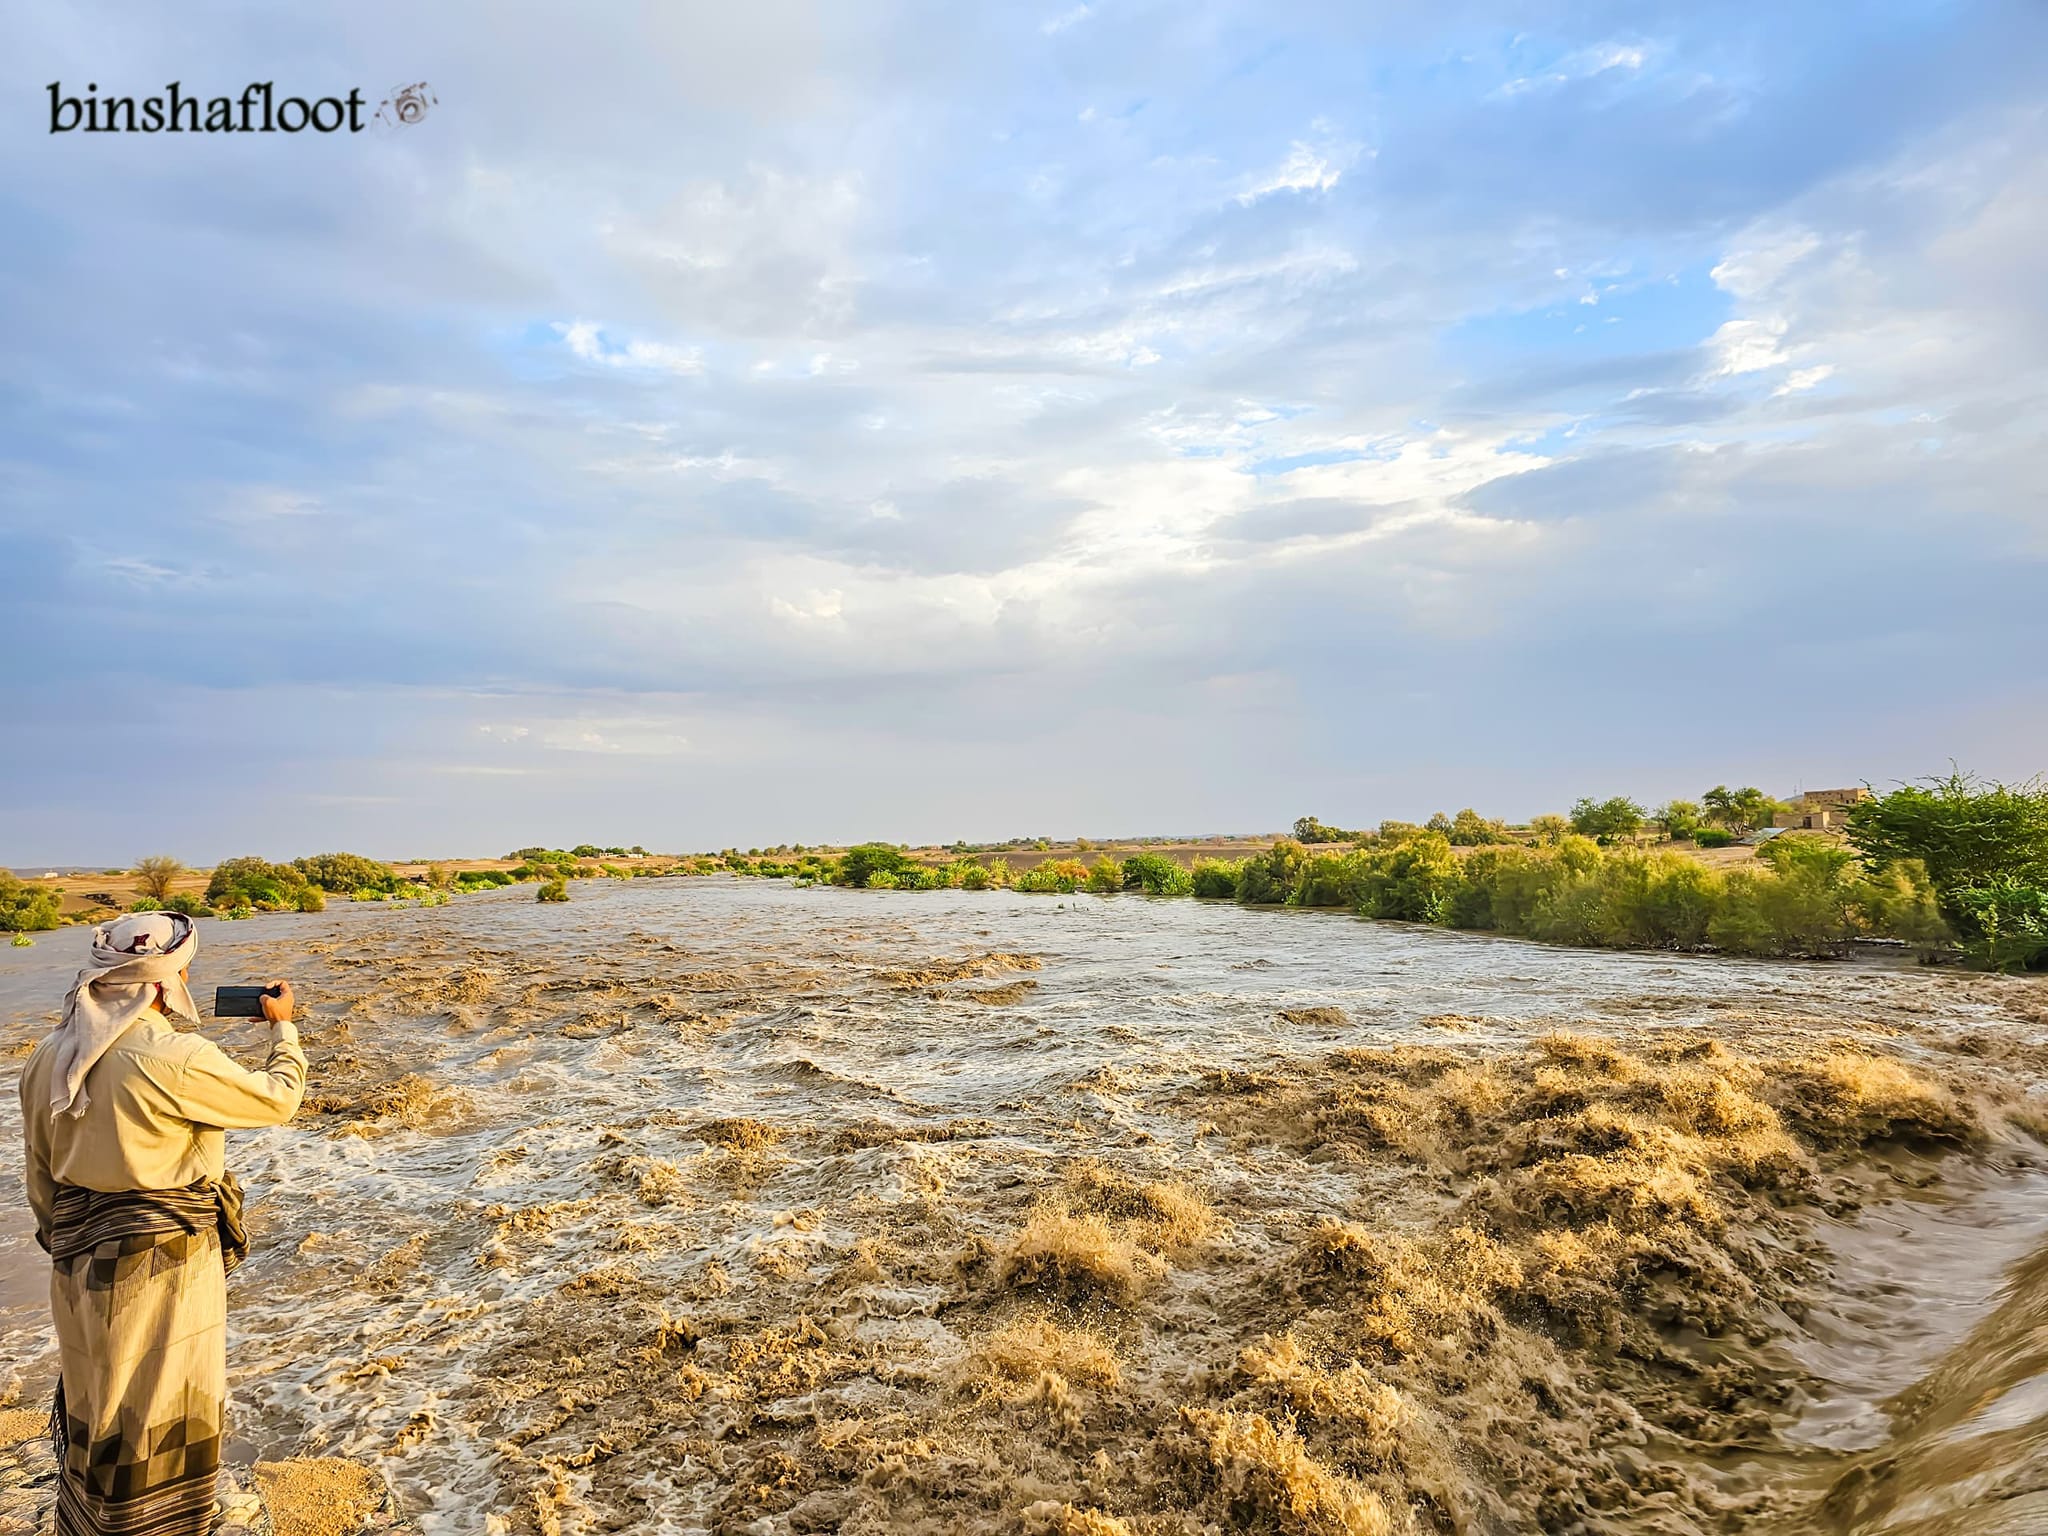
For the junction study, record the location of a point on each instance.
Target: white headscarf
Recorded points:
(131, 956)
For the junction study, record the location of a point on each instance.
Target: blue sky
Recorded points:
(920, 421)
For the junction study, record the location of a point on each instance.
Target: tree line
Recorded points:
(1953, 865)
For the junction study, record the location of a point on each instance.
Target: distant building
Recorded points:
(1820, 810)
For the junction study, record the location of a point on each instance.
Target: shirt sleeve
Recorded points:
(214, 1090)
(41, 1187)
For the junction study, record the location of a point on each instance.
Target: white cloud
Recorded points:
(1802, 379)
(812, 608)
(1583, 64)
(1763, 260)
(588, 342)
(1748, 346)
(1309, 167)
(1052, 26)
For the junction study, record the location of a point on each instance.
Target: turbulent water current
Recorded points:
(711, 1205)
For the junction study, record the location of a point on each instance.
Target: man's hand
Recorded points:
(277, 1003)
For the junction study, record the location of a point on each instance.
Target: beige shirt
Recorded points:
(160, 1099)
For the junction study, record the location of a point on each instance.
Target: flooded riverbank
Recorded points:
(707, 1205)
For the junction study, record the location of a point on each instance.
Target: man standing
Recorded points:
(123, 1115)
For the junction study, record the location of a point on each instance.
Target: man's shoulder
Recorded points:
(151, 1042)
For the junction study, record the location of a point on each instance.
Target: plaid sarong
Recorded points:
(138, 1288)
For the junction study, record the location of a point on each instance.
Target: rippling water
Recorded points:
(525, 1053)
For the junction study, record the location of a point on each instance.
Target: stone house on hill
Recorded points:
(1820, 810)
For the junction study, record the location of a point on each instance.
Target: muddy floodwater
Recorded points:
(705, 1205)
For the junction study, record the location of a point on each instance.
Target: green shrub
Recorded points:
(26, 908)
(1415, 881)
(1713, 837)
(255, 883)
(21, 941)
(1213, 878)
(1105, 876)
(1899, 902)
(190, 905)
(1469, 829)
(966, 875)
(1650, 901)
(1268, 879)
(145, 904)
(859, 865)
(881, 880)
(1064, 876)
(1332, 880)
(556, 889)
(1156, 875)
(345, 872)
(1802, 914)
(2008, 923)
(310, 898)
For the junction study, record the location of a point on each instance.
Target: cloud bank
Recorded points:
(826, 422)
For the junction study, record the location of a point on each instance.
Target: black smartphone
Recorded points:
(239, 1002)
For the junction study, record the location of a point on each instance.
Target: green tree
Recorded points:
(345, 872)
(1739, 810)
(1309, 829)
(1469, 829)
(1606, 820)
(155, 875)
(1966, 831)
(1680, 819)
(859, 865)
(1549, 829)
(255, 883)
(1969, 834)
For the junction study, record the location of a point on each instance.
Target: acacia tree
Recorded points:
(1605, 820)
(1739, 810)
(1970, 835)
(1312, 829)
(155, 875)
